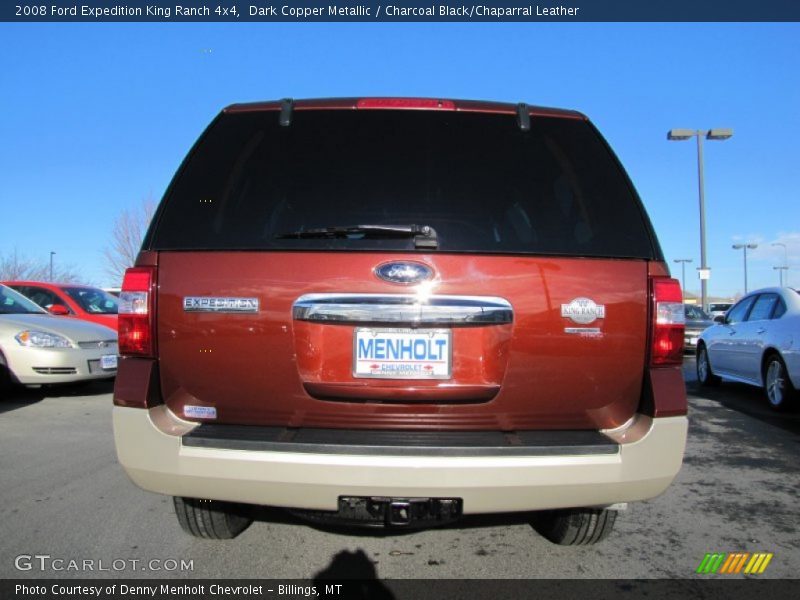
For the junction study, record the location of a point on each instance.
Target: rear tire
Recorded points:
(705, 375)
(575, 526)
(212, 519)
(777, 385)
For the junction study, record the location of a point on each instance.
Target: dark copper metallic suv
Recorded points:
(398, 311)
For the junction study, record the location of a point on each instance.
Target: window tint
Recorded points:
(480, 182)
(780, 309)
(695, 313)
(41, 296)
(93, 301)
(762, 309)
(738, 313)
(14, 303)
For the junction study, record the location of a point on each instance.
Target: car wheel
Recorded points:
(575, 526)
(705, 375)
(6, 377)
(212, 519)
(777, 386)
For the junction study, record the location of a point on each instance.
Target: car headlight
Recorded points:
(40, 339)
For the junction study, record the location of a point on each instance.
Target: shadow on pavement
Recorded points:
(20, 396)
(354, 565)
(268, 514)
(746, 399)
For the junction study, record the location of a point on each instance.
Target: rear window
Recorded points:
(695, 313)
(484, 185)
(763, 307)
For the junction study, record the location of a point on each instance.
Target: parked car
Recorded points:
(718, 309)
(757, 343)
(39, 348)
(397, 312)
(71, 300)
(697, 321)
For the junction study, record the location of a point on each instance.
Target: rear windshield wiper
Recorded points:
(424, 235)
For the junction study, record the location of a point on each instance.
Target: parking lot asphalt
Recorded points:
(64, 495)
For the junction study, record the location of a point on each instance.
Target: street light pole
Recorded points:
(785, 266)
(51, 265)
(711, 134)
(745, 247)
(701, 185)
(780, 271)
(683, 262)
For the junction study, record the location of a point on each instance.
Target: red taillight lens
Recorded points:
(408, 103)
(136, 318)
(667, 328)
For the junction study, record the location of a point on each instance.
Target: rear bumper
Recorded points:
(150, 448)
(690, 339)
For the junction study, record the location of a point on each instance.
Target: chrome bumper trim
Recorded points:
(403, 309)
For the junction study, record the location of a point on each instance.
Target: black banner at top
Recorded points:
(489, 11)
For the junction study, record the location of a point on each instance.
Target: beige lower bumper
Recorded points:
(149, 448)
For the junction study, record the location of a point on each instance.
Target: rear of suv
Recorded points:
(396, 312)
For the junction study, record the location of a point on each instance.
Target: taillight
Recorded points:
(667, 327)
(136, 312)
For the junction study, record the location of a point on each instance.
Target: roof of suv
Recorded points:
(481, 106)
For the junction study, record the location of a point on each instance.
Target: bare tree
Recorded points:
(16, 266)
(126, 238)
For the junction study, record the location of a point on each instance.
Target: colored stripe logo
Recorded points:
(732, 563)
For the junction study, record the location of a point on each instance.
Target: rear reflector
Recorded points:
(667, 328)
(136, 313)
(408, 103)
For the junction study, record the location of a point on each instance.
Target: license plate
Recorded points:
(108, 362)
(402, 353)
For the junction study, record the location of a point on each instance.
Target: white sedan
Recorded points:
(37, 348)
(758, 342)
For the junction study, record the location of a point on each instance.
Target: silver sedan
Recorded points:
(38, 348)
(757, 343)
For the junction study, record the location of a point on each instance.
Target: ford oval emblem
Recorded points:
(404, 273)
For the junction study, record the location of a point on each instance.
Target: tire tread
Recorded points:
(576, 526)
(211, 519)
(712, 380)
(789, 392)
